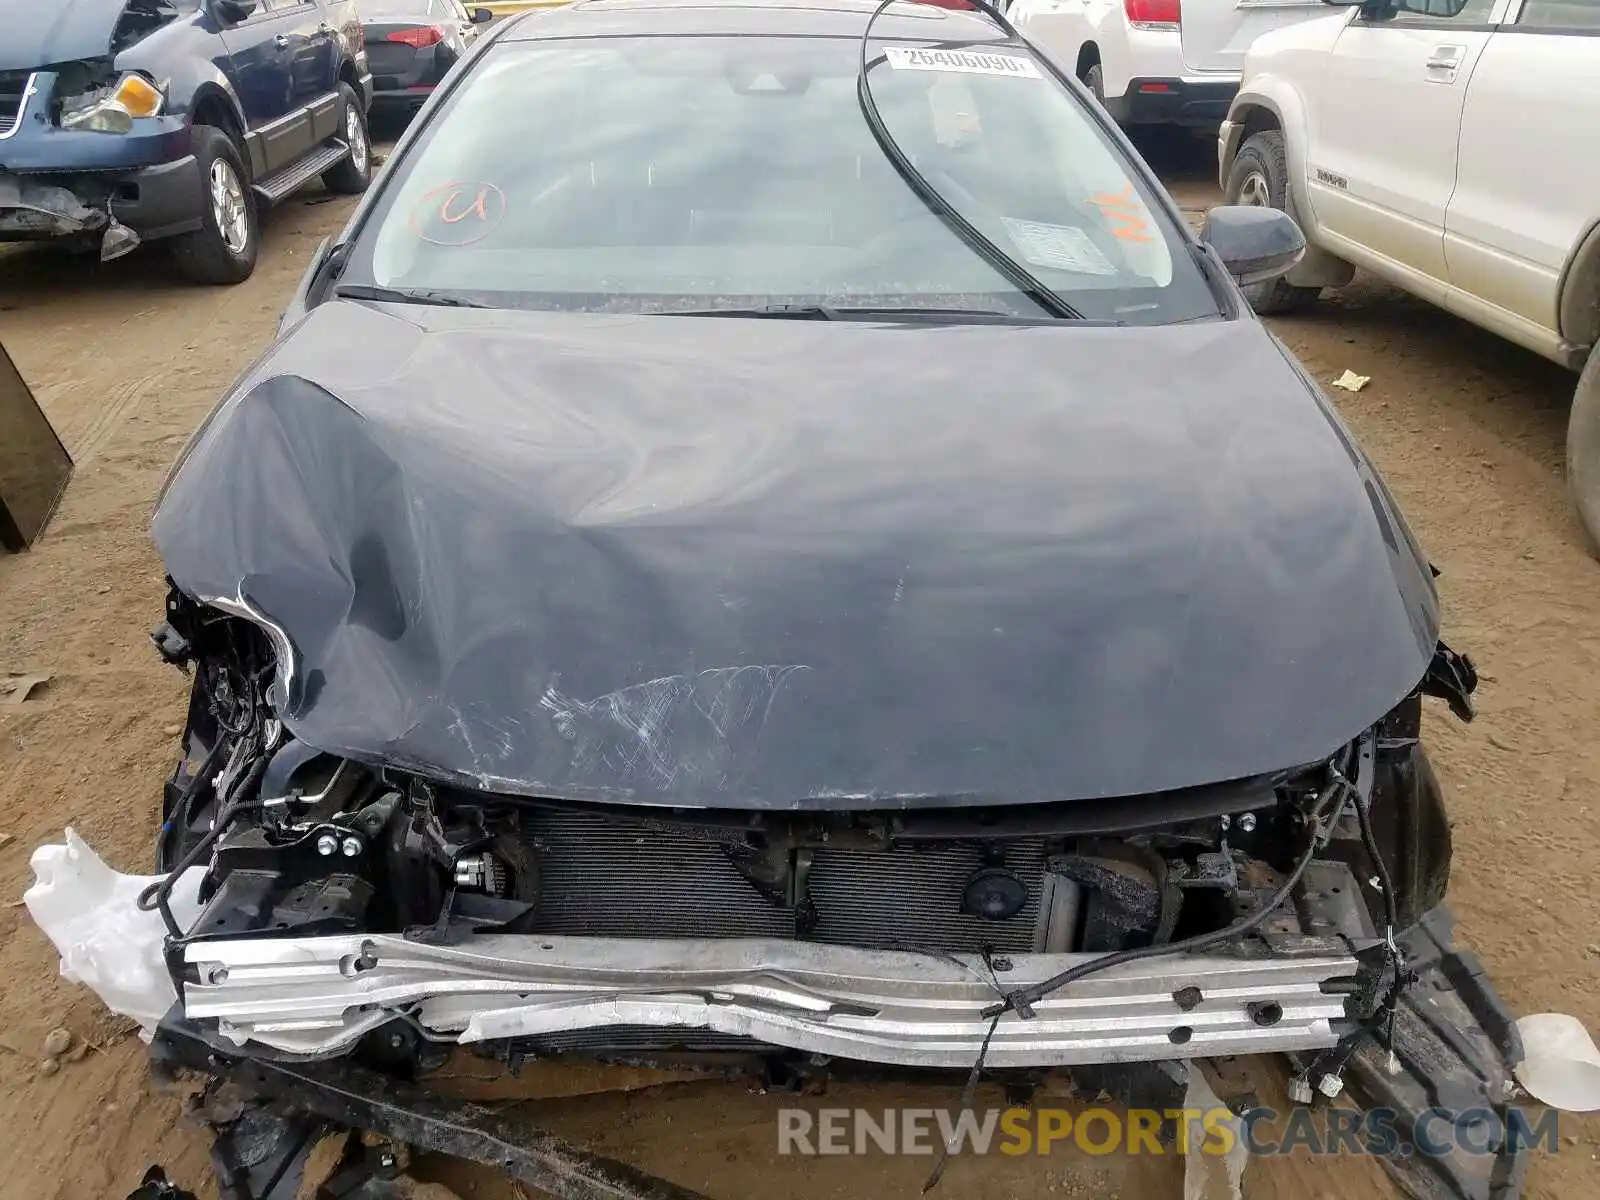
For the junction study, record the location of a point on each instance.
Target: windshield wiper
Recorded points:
(908, 312)
(782, 312)
(1021, 278)
(363, 291)
(986, 316)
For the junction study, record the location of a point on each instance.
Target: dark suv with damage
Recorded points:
(129, 121)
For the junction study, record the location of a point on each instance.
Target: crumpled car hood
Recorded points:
(774, 564)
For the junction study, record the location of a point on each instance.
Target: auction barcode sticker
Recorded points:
(1060, 247)
(967, 62)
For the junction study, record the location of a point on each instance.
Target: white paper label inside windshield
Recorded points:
(1059, 247)
(966, 62)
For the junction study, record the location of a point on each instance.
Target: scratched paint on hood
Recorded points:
(773, 564)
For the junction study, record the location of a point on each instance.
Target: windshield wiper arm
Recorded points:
(1024, 280)
(789, 312)
(907, 312)
(988, 316)
(363, 291)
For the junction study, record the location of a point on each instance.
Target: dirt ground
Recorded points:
(126, 360)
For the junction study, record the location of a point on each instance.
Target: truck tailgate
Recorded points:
(1216, 33)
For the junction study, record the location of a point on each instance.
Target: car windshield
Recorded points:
(667, 173)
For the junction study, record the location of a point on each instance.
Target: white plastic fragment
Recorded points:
(1351, 382)
(1560, 1064)
(1211, 1176)
(105, 941)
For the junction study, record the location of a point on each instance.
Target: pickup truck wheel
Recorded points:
(224, 249)
(353, 174)
(1260, 177)
(1583, 450)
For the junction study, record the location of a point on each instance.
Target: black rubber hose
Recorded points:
(1391, 910)
(159, 893)
(1391, 915)
(184, 804)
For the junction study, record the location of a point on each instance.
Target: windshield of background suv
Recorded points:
(388, 11)
(662, 173)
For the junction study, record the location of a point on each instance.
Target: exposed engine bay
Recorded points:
(346, 901)
(140, 18)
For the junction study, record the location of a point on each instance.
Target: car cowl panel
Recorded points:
(769, 564)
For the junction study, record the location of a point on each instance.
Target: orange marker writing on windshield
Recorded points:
(478, 208)
(458, 213)
(1125, 215)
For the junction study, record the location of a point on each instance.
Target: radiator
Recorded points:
(604, 878)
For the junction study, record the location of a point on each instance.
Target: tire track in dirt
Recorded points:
(91, 426)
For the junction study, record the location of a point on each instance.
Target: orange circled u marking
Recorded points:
(478, 208)
(458, 213)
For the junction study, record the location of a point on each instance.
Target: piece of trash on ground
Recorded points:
(105, 940)
(1560, 1063)
(14, 689)
(1351, 382)
(1210, 1176)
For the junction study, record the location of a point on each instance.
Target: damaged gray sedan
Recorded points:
(813, 564)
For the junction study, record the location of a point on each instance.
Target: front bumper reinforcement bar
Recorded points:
(1455, 1042)
(319, 995)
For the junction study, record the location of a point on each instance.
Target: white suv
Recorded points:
(1155, 62)
(1451, 147)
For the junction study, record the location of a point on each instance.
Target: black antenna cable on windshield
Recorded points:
(1020, 277)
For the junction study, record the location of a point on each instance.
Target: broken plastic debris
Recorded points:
(15, 689)
(118, 240)
(1560, 1064)
(1211, 1176)
(156, 1186)
(1351, 382)
(105, 941)
(43, 208)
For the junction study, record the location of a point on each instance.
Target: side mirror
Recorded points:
(1255, 244)
(482, 16)
(234, 11)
